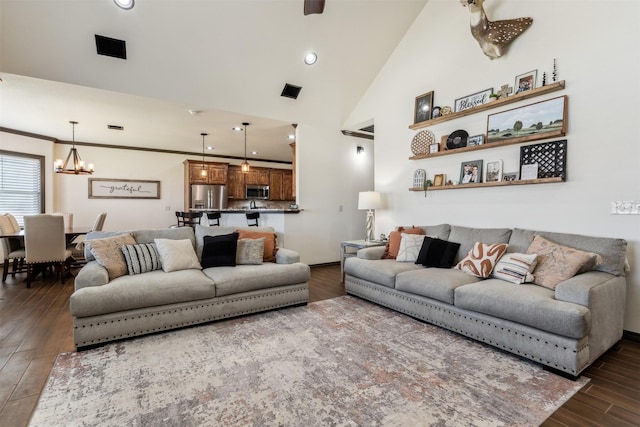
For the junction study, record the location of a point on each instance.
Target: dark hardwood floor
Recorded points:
(35, 326)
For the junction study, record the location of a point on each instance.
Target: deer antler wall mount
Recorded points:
(493, 36)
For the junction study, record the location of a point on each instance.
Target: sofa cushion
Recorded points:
(151, 289)
(245, 278)
(109, 254)
(468, 236)
(141, 258)
(557, 263)
(270, 242)
(393, 244)
(410, 245)
(530, 305)
(141, 236)
(177, 255)
(220, 251)
(436, 283)
(437, 253)
(382, 272)
(481, 259)
(515, 268)
(613, 251)
(202, 231)
(250, 251)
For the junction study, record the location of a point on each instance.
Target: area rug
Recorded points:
(338, 362)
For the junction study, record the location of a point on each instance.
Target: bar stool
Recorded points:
(252, 218)
(214, 216)
(188, 219)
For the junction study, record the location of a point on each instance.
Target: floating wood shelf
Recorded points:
(491, 184)
(553, 87)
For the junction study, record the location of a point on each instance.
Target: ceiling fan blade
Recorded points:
(313, 6)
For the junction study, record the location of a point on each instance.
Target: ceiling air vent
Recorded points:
(367, 129)
(111, 47)
(115, 127)
(291, 91)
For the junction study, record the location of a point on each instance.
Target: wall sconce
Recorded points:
(360, 150)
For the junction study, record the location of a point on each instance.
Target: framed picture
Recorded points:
(435, 113)
(475, 140)
(434, 148)
(471, 101)
(100, 188)
(494, 171)
(439, 180)
(510, 176)
(471, 172)
(424, 105)
(545, 119)
(526, 81)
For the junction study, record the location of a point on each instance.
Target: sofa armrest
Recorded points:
(92, 274)
(371, 253)
(287, 256)
(583, 288)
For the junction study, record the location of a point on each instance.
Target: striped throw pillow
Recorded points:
(141, 258)
(515, 268)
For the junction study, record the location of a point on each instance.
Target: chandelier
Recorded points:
(73, 165)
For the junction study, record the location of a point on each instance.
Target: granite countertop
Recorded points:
(243, 210)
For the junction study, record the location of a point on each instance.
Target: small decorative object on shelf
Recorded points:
(494, 96)
(494, 171)
(471, 172)
(422, 142)
(438, 180)
(424, 105)
(550, 159)
(544, 78)
(434, 148)
(510, 176)
(473, 100)
(475, 140)
(554, 74)
(419, 176)
(445, 111)
(526, 81)
(457, 139)
(504, 91)
(425, 186)
(435, 113)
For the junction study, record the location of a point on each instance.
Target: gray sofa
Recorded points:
(155, 301)
(565, 330)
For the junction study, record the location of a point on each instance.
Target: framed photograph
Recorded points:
(471, 101)
(544, 119)
(471, 172)
(475, 140)
(435, 113)
(529, 171)
(100, 188)
(439, 180)
(526, 81)
(510, 176)
(494, 171)
(434, 148)
(424, 105)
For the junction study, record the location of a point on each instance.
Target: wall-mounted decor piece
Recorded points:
(434, 148)
(471, 172)
(549, 158)
(422, 141)
(475, 140)
(419, 177)
(493, 36)
(424, 105)
(510, 176)
(526, 81)
(545, 119)
(504, 91)
(435, 113)
(494, 171)
(100, 188)
(457, 139)
(473, 100)
(439, 180)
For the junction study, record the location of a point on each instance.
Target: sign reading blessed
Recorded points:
(474, 100)
(100, 188)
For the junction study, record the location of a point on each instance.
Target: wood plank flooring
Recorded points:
(35, 326)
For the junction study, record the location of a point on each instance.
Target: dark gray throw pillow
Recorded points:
(219, 251)
(437, 253)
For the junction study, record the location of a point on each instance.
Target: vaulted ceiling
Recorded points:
(227, 59)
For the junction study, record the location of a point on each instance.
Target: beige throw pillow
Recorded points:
(557, 263)
(177, 254)
(250, 251)
(410, 245)
(108, 253)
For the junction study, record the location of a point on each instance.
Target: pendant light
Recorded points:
(245, 165)
(203, 171)
(77, 166)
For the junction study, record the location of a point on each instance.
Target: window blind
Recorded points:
(21, 184)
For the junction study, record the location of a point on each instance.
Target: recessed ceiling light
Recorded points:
(209, 148)
(292, 137)
(310, 58)
(254, 152)
(124, 4)
(237, 129)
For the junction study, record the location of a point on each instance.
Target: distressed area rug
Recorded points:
(343, 362)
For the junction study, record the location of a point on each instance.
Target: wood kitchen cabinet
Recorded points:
(235, 183)
(287, 186)
(216, 172)
(257, 176)
(276, 184)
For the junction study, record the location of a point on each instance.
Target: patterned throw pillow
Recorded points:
(481, 259)
(393, 245)
(270, 242)
(250, 251)
(109, 255)
(176, 254)
(410, 245)
(557, 263)
(515, 268)
(141, 258)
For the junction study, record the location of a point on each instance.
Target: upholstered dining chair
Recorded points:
(77, 246)
(12, 248)
(45, 245)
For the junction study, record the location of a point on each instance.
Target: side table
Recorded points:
(349, 248)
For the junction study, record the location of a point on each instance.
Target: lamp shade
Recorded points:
(369, 200)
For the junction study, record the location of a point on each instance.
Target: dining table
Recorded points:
(70, 233)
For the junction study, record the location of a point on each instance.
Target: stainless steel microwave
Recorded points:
(257, 192)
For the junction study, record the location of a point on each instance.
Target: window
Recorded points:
(21, 184)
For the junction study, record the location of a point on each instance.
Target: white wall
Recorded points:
(596, 44)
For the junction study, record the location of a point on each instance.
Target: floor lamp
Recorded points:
(369, 200)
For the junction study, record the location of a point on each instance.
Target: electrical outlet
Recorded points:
(625, 208)
(339, 208)
(167, 208)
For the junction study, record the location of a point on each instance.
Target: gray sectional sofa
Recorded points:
(565, 329)
(155, 301)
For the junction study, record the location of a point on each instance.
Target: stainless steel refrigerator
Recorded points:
(208, 196)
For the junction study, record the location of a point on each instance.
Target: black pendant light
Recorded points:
(245, 165)
(203, 171)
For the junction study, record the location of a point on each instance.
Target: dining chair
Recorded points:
(77, 245)
(188, 219)
(12, 248)
(45, 245)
